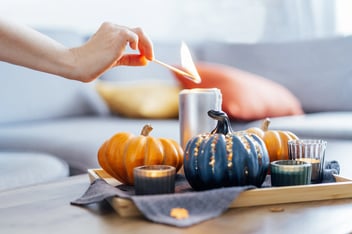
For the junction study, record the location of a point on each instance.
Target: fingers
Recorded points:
(145, 45)
(132, 39)
(132, 60)
(138, 40)
(117, 37)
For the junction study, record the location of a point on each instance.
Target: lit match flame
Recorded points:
(190, 71)
(188, 64)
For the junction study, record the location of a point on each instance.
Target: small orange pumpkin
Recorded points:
(275, 140)
(125, 151)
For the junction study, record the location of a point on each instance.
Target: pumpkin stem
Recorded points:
(265, 124)
(146, 130)
(223, 126)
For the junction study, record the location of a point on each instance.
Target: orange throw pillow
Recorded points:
(246, 96)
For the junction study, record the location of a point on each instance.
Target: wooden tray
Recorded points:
(254, 197)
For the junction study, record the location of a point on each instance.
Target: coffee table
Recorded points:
(46, 208)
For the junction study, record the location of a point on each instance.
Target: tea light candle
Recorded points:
(154, 179)
(290, 172)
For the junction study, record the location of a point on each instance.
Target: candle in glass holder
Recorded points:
(154, 179)
(312, 151)
(290, 172)
(316, 167)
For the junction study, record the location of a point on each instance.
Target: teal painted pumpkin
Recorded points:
(224, 158)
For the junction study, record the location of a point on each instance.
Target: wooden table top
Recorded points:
(46, 209)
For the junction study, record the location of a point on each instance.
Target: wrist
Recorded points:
(79, 66)
(67, 64)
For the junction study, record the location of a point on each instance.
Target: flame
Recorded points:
(188, 64)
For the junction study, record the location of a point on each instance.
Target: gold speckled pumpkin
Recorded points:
(224, 158)
(125, 151)
(275, 140)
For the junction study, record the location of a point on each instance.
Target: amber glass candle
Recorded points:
(154, 179)
(312, 151)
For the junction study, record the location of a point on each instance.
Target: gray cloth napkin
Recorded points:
(202, 205)
(331, 168)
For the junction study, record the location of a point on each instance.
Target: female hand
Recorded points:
(105, 49)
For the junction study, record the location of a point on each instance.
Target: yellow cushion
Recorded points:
(144, 99)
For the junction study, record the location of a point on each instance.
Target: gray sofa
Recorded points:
(44, 114)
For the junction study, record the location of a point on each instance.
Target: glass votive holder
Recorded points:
(312, 151)
(154, 179)
(290, 172)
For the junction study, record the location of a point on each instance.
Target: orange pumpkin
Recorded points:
(125, 151)
(275, 140)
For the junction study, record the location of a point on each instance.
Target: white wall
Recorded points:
(231, 20)
(83, 15)
(178, 19)
(344, 17)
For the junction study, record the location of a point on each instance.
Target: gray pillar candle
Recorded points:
(154, 179)
(194, 105)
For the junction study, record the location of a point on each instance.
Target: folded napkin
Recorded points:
(201, 205)
(331, 168)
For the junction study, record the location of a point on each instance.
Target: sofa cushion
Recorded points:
(76, 140)
(329, 125)
(318, 72)
(246, 96)
(19, 169)
(27, 95)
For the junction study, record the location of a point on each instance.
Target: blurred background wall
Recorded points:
(229, 20)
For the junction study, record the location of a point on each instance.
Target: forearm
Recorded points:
(24, 46)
